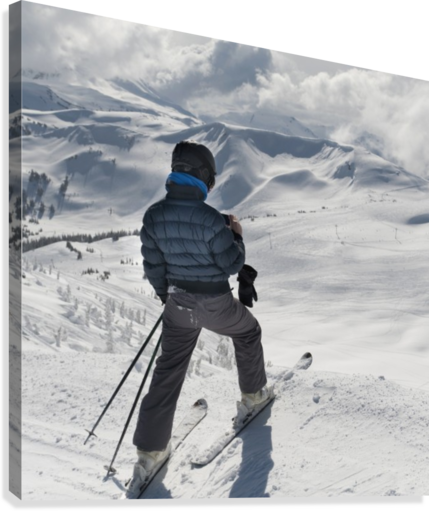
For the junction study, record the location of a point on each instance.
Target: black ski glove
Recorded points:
(246, 289)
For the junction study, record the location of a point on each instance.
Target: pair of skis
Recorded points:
(244, 417)
(197, 413)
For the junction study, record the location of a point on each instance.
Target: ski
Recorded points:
(302, 365)
(244, 417)
(195, 415)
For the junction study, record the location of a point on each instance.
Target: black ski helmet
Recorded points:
(195, 159)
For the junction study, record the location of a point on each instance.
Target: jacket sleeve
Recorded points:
(154, 263)
(227, 248)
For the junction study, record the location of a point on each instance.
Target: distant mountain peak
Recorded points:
(34, 74)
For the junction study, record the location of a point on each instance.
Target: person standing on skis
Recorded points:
(189, 253)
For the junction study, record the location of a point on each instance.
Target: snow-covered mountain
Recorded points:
(44, 92)
(287, 125)
(339, 237)
(112, 142)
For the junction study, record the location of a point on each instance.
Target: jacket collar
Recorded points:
(186, 179)
(185, 192)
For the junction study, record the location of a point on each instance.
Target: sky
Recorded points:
(212, 78)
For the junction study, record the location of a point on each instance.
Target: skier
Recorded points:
(189, 253)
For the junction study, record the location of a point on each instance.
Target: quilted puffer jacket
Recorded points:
(186, 243)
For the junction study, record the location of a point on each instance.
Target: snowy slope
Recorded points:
(355, 424)
(327, 434)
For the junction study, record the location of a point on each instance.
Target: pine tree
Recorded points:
(68, 293)
(109, 343)
(141, 337)
(41, 209)
(190, 368)
(108, 317)
(87, 314)
(58, 338)
(64, 186)
(128, 334)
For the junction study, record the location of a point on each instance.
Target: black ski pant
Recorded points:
(185, 315)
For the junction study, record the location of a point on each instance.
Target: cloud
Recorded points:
(355, 102)
(338, 96)
(208, 72)
(394, 109)
(235, 64)
(81, 45)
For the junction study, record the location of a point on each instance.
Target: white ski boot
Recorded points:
(145, 469)
(252, 400)
(251, 404)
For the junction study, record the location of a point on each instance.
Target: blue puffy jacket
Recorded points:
(186, 243)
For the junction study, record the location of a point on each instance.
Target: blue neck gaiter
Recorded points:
(181, 178)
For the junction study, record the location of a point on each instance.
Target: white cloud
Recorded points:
(83, 45)
(203, 74)
(80, 46)
(356, 101)
(396, 110)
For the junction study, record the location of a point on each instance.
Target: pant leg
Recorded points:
(179, 337)
(225, 315)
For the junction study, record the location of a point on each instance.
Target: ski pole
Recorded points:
(111, 469)
(133, 363)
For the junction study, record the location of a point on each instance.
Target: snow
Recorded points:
(339, 238)
(354, 424)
